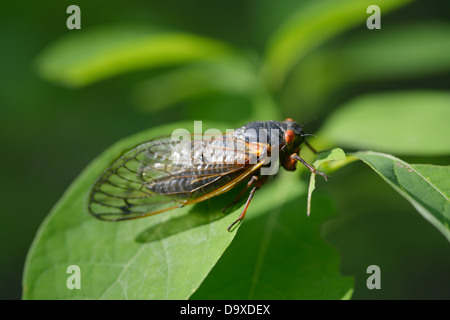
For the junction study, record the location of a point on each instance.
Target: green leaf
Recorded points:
(231, 76)
(95, 55)
(426, 187)
(280, 254)
(337, 154)
(166, 256)
(314, 23)
(413, 123)
(234, 76)
(405, 51)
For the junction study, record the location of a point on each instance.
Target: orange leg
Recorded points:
(310, 167)
(258, 183)
(253, 179)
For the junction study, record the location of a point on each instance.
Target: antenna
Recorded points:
(309, 122)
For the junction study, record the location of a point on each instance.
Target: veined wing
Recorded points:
(164, 174)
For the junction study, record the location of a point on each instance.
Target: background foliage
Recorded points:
(68, 95)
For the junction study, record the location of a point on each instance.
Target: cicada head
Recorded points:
(293, 136)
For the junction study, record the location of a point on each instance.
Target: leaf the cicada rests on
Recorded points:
(426, 187)
(280, 254)
(323, 160)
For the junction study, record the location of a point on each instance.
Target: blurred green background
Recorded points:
(55, 119)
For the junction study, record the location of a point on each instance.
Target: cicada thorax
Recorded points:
(286, 137)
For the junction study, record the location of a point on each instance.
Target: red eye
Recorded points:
(289, 136)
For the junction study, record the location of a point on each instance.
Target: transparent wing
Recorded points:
(163, 174)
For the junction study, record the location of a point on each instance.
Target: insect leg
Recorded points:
(311, 148)
(314, 150)
(253, 179)
(259, 183)
(310, 167)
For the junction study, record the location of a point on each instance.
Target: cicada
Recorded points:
(166, 173)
